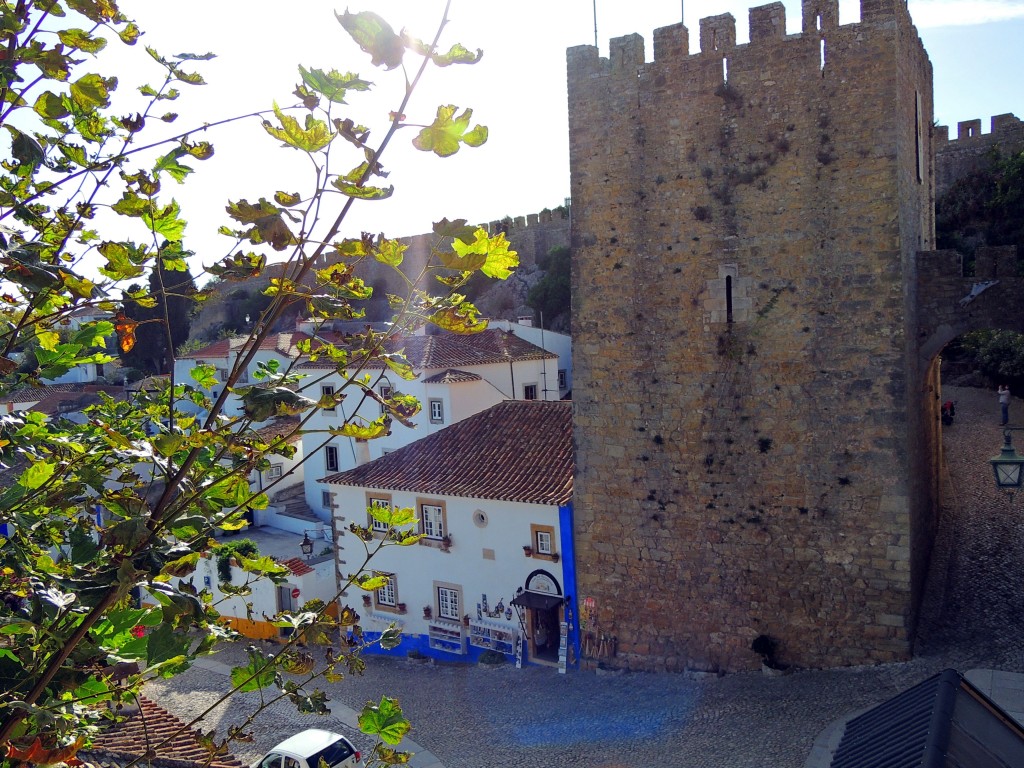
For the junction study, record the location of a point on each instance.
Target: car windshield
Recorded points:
(331, 755)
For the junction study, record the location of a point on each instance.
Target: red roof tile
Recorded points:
(452, 376)
(146, 730)
(518, 450)
(283, 343)
(454, 350)
(297, 566)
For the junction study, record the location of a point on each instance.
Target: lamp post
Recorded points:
(1008, 466)
(306, 545)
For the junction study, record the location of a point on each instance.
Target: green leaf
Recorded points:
(457, 54)
(262, 404)
(332, 85)
(361, 192)
(251, 678)
(241, 266)
(100, 11)
(457, 229)
(379, 427)
(91, 91)
(25, 149)
(123, 260)
(130, 34)
(462, 317)
(443, 136)
(287, 199)
(51, 106)
(384, 721)
(164, 644)
(314, 137)
(36, 475)
(205, 375)
(375, 37)
(164, 221)
(490, 254)
(82, 40)
(390, 252)
(169, 164)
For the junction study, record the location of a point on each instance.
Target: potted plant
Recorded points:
(446, 542)
(427, 611)
(555, 557)
(400, 607)
(465, 620)
(528, 550)
(367, 600)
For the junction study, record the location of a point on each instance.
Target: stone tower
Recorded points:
(745, 224)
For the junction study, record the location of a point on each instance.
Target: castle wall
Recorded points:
(970, 150)
(743, 221)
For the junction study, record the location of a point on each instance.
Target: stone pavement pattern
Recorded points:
(473, 717)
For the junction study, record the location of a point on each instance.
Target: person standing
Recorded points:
(1004, 404)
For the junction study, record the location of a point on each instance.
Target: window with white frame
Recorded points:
(544, 542)
(437, 411)
(387, 595)
(449, 602)
(385, 394)
(432, 520)
(378, 502)
(563, 378)
(331, 458)
(529, 392)
(327, 390)
(543, 538)
(274, 472)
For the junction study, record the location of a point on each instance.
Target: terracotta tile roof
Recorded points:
(152, 725)
(453, 350)
(280, 427)
(297, 566)
(30, 393)
(452, 376)
(283, 343)
(518, 450)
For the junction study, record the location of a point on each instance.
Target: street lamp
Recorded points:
(306, 545)
(1008, 465)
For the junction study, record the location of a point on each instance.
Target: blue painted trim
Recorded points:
(567, 547)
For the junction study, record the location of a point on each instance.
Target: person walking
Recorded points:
(1004, 404)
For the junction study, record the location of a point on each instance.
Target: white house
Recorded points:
(457, 376)
(495, 568)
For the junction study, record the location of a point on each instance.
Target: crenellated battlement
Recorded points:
(559, 217)
(970, 130)
(718, 38)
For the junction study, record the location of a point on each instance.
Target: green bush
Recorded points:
(241, 548)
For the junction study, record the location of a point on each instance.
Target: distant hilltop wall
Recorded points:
(968, 152)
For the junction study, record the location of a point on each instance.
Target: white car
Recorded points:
(308, 748)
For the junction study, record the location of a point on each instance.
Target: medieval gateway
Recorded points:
(757, 318)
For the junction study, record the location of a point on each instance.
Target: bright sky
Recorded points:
(518, 90)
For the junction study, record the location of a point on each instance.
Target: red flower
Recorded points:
(138, 630)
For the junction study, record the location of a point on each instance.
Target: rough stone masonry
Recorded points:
(751, 458)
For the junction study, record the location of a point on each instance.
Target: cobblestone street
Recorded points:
(473, 717)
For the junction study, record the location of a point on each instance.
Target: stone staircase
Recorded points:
(292, 502)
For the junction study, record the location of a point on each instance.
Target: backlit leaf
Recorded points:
(444, 135)
(390, 252)
(333, 85)
(36, 475)
(498, 260)
(375, 36)
(379, 427)
(361, 192)
(82, 40)
(92, 91)
(125, 327)
(314, 137)
(51, 106)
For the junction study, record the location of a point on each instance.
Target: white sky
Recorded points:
(518, 90)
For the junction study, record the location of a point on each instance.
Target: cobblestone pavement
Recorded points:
(472, 717)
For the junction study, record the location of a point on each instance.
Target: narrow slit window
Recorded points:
(823, 56)
(725, 70)
(728, 298)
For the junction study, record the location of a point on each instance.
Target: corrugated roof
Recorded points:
(518, 450)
